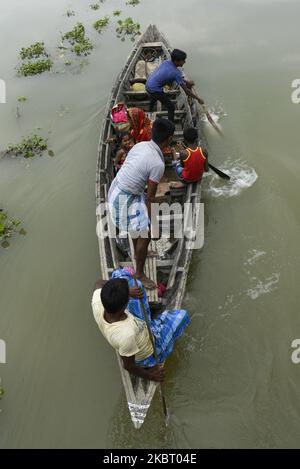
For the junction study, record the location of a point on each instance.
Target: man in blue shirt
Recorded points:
(166, 74)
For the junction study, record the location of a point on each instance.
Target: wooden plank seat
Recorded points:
(150, 270)
(140, 94)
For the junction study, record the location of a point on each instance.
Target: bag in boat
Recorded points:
(119, 117)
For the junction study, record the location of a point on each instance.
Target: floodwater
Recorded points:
(231, 382)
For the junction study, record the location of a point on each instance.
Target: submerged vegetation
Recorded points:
(80, 43)
(70, 13)
(30, 146)
(133, 3)
(8, 226)
(101, 24)
(127, 28)
(95, 6)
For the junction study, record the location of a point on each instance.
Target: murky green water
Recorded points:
(231, 382)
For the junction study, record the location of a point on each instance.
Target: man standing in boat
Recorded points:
(166, 74)
(129, 207)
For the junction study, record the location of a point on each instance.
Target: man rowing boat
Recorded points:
(166, 74)
(130, 209)
(118, 313)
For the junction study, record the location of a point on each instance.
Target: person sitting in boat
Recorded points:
(119, 316)
(193, 160)
(126, 143)
(133, 120)
(140, 124)
(129, 208)
(166, 74)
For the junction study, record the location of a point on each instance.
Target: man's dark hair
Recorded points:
(162, 129)
(190, 135)
(115, 295)
(178, 55)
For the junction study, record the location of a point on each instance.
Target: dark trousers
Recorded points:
(165, 101)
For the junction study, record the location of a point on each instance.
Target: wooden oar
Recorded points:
(210, 119)
(165, 409)
(219, 172)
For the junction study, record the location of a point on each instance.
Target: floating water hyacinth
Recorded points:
(95, 6)
(80, 44)
(30, 146)
(34, 51)
(8, 227)
(101, 24)
(128, 28)
(70, 13)
(133, 3)
(37, 60)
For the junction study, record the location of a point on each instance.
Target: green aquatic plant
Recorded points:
(133, 3)
(35, 68)
(128, 28)
(34, 51)
(101, 24)
(81, 45)
(117, 12)
(21, 99)
(95, 6)
(30, 146)
(70, 13)
(8, 226)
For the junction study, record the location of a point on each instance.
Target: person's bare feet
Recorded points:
(146, 282)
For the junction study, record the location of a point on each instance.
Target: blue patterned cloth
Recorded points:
(128, 211)
(166, 328)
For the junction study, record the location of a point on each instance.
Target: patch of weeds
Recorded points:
(133, 3)
(30, 146)
(35, 59)
(70, 13)
(35, 68)
(95, 6)
(101, 24)
(8, 227)
(34, 51)
(21, 100)
(128, 28)
(81, 45)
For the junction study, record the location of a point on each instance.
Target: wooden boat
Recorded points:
(173, 261)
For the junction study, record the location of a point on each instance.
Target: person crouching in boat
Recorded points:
(166, 74)
(119, 316)
(130, 209)
(133, 120)
(126, 143)
(140, 125)
(193, 160)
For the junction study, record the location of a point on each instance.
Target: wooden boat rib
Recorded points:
(174, 259)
